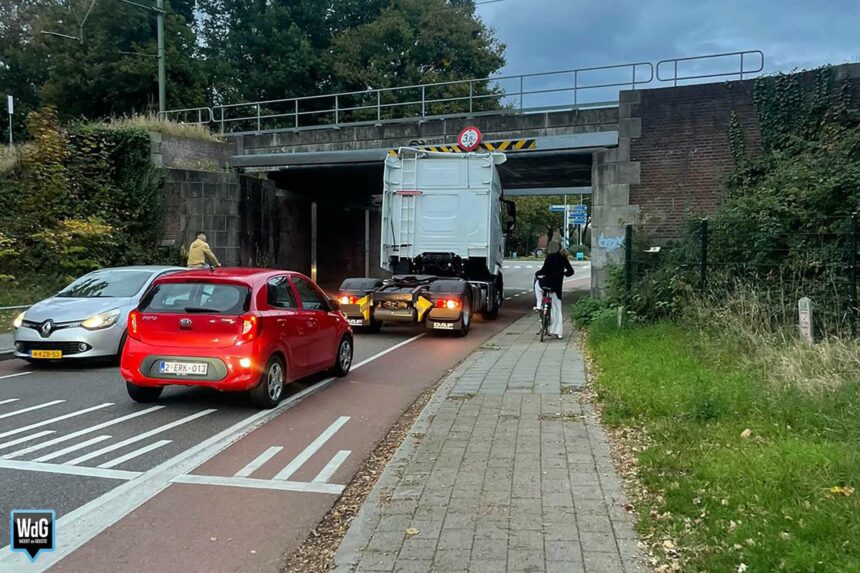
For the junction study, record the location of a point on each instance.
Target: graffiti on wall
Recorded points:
(610, 243)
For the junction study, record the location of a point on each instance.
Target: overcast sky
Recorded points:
(543, 35)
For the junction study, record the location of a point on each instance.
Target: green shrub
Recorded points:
(79, 199)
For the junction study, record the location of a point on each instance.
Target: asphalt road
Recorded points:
(156, 486)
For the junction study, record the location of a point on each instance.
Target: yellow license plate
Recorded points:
(47, 354)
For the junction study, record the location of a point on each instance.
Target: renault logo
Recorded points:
(46, 328)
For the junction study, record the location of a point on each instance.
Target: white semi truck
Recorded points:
(444, 224)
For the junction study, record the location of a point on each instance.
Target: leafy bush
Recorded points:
(79, 199)
(785, 225)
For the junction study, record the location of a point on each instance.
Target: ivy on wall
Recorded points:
(79, 199)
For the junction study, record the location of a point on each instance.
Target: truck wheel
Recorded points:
(374, 326)
(492, 312)
(467, 317)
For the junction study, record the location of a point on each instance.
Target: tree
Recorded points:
(263, 50)
(113, 71)
(534, 218)
(417, 42)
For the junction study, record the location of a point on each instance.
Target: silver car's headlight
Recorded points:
(102, 320)
(19, 320)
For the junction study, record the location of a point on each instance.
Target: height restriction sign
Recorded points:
(469, 139)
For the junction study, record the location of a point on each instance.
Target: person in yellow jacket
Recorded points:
(199, 253)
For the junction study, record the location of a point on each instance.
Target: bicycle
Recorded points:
(545, 312)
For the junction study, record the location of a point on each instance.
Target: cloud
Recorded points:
(544, 35)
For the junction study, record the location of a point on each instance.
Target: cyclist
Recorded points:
(550, 276)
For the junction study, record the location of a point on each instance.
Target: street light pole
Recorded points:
(162, 97)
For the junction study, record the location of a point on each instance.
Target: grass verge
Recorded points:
(735, 473)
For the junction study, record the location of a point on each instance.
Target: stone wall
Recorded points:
(208, 202)
(192, 154)
(430, 132)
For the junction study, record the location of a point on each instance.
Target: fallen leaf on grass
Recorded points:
(742, 567)
(746, 434)
(839, 490)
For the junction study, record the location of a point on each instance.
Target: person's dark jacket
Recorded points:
(555, 268)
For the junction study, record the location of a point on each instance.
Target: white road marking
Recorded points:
(31, 408)
(255, 464)
(138, 438)
(15, 375)
(57, 419)
(331, 467)
(506, 266)
(9, 401)
(136, 453)
(508, 297)
(82, 432)
(518, 267)
(87, 521)
(311, 449)
(60, 469)
(35, 436)
(282, 485)
(384, 352)
(72, 448)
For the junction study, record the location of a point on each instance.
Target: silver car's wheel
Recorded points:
(343, 360)
(269, 391)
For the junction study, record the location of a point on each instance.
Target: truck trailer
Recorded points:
(444, 224)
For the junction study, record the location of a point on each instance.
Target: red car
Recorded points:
(233, 330)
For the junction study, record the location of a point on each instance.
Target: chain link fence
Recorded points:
(779, 267)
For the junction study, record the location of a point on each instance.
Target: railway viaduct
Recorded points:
(293, 182)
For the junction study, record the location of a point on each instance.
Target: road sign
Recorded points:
(579, 208)
(557, 208)
(579, 220)
(10, 104)
(469, 139)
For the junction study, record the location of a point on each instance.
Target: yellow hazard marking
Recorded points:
(423, 305)
(504, 145)
(364, 306)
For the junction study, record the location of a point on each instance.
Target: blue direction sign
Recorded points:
(579, 220)
(557, 208)
(579, 208)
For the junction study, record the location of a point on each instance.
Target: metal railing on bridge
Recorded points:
(547, 91)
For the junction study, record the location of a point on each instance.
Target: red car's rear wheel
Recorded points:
(270, 389)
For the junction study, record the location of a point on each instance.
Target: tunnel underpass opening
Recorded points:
(332, 211)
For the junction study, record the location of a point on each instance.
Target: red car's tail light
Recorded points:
(134, 324)
(449, 303)
(251, 327)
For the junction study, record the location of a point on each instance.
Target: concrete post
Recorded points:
(367, 242)
(314, 241)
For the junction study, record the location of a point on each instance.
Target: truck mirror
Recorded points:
(510, 227)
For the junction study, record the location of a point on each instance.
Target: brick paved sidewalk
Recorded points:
(505, 470)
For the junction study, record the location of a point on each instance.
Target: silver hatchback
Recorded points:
(87, 319)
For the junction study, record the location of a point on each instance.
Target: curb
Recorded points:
(7, 355)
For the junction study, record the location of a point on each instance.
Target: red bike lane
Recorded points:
(257, 500)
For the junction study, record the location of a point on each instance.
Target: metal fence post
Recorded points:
(703, 263)
(471, 94)
(628, 259)
(258, 117)
(378, 105)
(297, 114)
(853, 302)
(336, 111)
(521, 93)
(423, 102)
